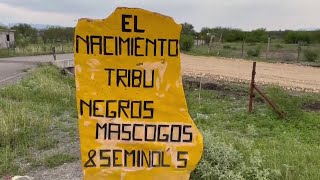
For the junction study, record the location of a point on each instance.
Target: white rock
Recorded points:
(22, 178)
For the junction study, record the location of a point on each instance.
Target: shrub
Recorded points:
(226, 47)
(186, 42)
(279, 46)
(310, 55)
(223, 161)
(254, 52)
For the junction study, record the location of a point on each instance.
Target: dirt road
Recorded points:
(286, 75)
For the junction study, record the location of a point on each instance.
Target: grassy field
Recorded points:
(34, 114)
(38, 114)
(239, 145)
(37, 49)
(279, 52)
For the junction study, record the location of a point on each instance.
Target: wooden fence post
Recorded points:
(252, 87)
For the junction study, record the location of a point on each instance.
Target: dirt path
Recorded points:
(286, 75)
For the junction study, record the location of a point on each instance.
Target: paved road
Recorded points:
(14, 67)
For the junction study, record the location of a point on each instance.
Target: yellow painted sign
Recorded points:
(133, 117)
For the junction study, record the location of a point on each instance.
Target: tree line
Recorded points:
(221, 34)
(25, 34)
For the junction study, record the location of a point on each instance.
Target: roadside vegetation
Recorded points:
(37, 115)
(301, 47)
(38, 127)
(30, 41)
(261, 145)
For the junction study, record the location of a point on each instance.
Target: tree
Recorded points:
(57, 34)
(188, 29)
(205, 34)
(25, 32)
(186, 42)
(258, 35)
(295, 37)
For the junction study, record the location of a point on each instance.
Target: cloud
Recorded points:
(246, 14)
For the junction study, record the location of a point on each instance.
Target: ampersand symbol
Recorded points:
(90, 162)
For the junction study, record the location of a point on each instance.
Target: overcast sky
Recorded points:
(244, 14)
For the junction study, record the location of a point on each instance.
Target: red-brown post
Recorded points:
(252, 87)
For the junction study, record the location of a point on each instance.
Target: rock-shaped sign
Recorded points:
(133, 116)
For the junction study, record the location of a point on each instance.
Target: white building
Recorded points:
(6, 38)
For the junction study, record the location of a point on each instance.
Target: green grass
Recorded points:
(37, 49)
(238, 145)
(279, 52)
(58, 159)
(259, 144)
(29, 112)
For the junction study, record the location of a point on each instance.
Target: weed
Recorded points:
(58, 159)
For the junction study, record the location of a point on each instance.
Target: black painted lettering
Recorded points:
(114, 131)
(98, 43)
(154, 43)
(148, 109)
(162, 46)
(134, 107)
(126, 132)
(173, 133)
(109, 75)
(163, 163)
(127, 49)
(115, 158)
(90, 163)
(162, 137)
(189, 133)
(122, 106)
(104, 128)
(138, 158)
(134, 129)
(89, 105)
(182, 159)
(104, 156)
(136, 78)
(105, 49)
(146, 159)
(95, 108)
(136, 29)
(127, 154)
(84, 40)
(154, 155)
(176, 46)
(145, 80)
(116, 46)
(113, 113)
(132, 46)
(121, 74)
(137, 47)
(125, 22)
(150, 129)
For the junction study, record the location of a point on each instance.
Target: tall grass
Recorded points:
(37, 49)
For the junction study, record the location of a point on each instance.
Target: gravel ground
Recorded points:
(290, 76)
